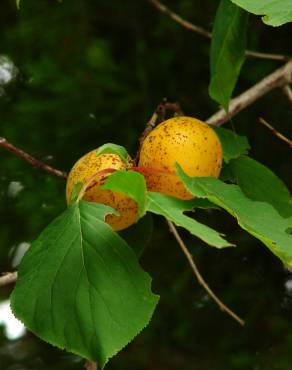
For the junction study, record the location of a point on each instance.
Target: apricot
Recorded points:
(184, 140)
(88, 166)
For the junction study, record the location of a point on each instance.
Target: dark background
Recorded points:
(91, 72)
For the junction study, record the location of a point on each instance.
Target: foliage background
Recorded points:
(92, 72)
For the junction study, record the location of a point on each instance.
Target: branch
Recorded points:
(202, 31)
(157, 117)
(8, 278)
(198, 275)
(275, 132)
(30, 159)
(186, 24)
(279, 78)
(288, 92)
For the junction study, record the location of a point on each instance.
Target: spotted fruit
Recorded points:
(191, 143)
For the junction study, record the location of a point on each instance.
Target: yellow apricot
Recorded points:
(84, 169)
(184, 140)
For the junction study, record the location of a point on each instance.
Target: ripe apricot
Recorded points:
(184, 140)
(88, 166)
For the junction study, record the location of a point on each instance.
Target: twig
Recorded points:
(199, 277)
(279, 78)
(186, 24)
(157, 116)
(288, 92)
(89, 365)
(202, 31)
(269, 56)
(30, 159)
(8, 278)
(275, 132)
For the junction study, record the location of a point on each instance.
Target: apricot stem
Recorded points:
(151, 170)
(198, 275)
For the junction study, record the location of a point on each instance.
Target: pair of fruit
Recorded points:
(184, 140)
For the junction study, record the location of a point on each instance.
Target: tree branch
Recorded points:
(198, 275)
(8, 278)
(186, 24)
(288, 92)
(202, 31)
(275, 132)
(279, 78)
(30, 159)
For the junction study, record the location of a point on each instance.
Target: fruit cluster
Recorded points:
(184, 140)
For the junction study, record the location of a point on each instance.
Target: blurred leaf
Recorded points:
(139, 235)
(18, 4)
(259, 183)
(172, 209)
(258, 218)
(80, 282)
(130, 183)
(113, 149)
(233, 145)
(227, 51)
(276, 12)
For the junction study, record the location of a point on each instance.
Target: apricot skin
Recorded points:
(89, 165)
(185, 140)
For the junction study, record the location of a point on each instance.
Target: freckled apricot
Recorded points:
(84, 169)
(191, 143)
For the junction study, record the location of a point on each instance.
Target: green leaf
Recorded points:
(233, 145)
(173, 209)
(18, 4)
(130, 183)
(259, 219)
(276, 12)
(113, 149)
(259, 183)
(139, 235)
(81, 288)
(227, 51)
(75, 192)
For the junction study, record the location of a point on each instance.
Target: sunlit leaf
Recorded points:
(258, 218)
(275, 12)
(173, 209)
(233, 145)
(79, 284)
(130, 183)
(259, 183)
(113, 149)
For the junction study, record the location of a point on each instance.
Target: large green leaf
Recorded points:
(276, 12)
(173, 209)
(233, 145)
(227, 50)
(81, 288)
(130, 183)
(258, 218)
(259, 183)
